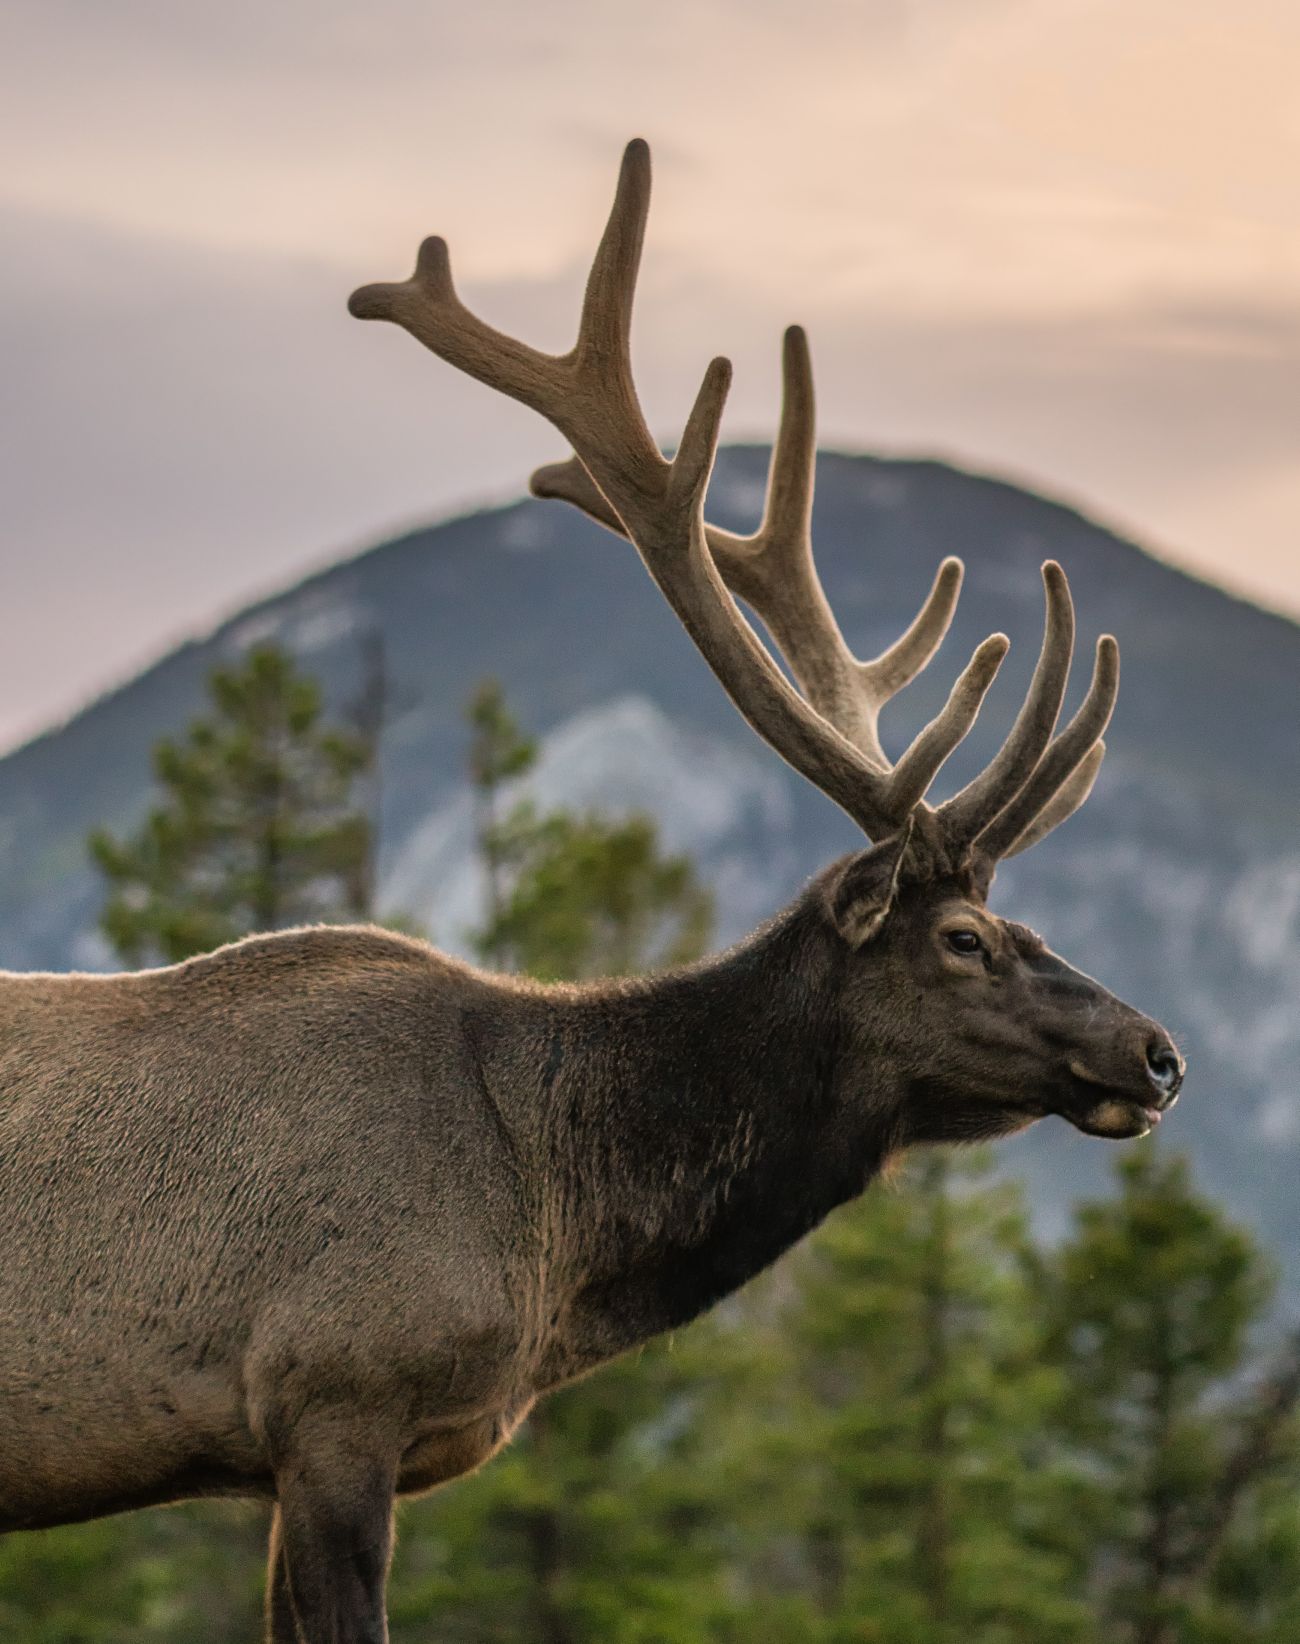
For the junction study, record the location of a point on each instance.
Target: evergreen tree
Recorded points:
(498, 753)
(589, 897)
(571, 896)
(1153, 1306)
(1249, 1590)
(927, 1507)
(255, 830)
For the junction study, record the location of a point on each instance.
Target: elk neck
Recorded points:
(696, 1125)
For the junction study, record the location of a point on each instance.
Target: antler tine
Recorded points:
(919, 766)
(614, 430)
(605, 325)
(1060, 763)
(427, 306)
(774, 570)
(887, 674)
(1069, 796)
(968, 812)
(569, 481)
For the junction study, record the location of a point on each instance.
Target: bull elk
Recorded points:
(317, 1217)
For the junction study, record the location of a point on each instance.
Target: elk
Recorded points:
(317, 1217)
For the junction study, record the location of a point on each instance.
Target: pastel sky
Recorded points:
(1059, 239)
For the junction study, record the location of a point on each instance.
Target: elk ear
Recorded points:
(862, 896)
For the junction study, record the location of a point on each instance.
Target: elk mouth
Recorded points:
(1115, 1118)
(1110, 1112)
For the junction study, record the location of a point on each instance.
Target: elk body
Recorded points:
(319, 1216)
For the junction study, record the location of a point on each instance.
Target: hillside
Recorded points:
(1179, 883)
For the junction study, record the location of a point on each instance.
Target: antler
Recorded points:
(619, 476)
(773, 571)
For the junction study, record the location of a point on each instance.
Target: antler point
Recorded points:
(433, 262)
(369, 302)
(635, 170)
(987, 658)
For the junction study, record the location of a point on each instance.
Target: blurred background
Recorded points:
(1048, 252)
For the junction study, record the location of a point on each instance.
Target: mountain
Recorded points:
(1178, 883)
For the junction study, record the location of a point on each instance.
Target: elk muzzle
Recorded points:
(1127, 1093)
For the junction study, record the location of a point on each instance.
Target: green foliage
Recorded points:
(499, 751)
(255, 829)
(588, 898)
(1252, 1591)
(572, 896)
(923, 1504)
(1150, 1312)
(186, 1575)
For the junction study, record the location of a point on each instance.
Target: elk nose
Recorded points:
(1164, 1069)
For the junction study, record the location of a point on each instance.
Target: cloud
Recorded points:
(1012, 243)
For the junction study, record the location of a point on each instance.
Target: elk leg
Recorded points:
(330, 1548)
(281, 1628)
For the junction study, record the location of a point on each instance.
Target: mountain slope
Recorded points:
(1179, 883)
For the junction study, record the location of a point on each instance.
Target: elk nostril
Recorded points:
(1164, 1066)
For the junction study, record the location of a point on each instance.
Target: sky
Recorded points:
(1057, 240)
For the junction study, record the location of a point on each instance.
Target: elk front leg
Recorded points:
(330, 1546)
(281, 1628)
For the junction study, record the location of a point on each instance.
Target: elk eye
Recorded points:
(964, 941)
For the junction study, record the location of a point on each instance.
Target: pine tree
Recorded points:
(570, 896)
(255, 829)
(498, 753)
(1249, 1591)
(1175, 1436)
(925, 1507)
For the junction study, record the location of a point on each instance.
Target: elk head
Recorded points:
(989, 1029)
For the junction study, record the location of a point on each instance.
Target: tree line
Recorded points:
(924, 1426)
